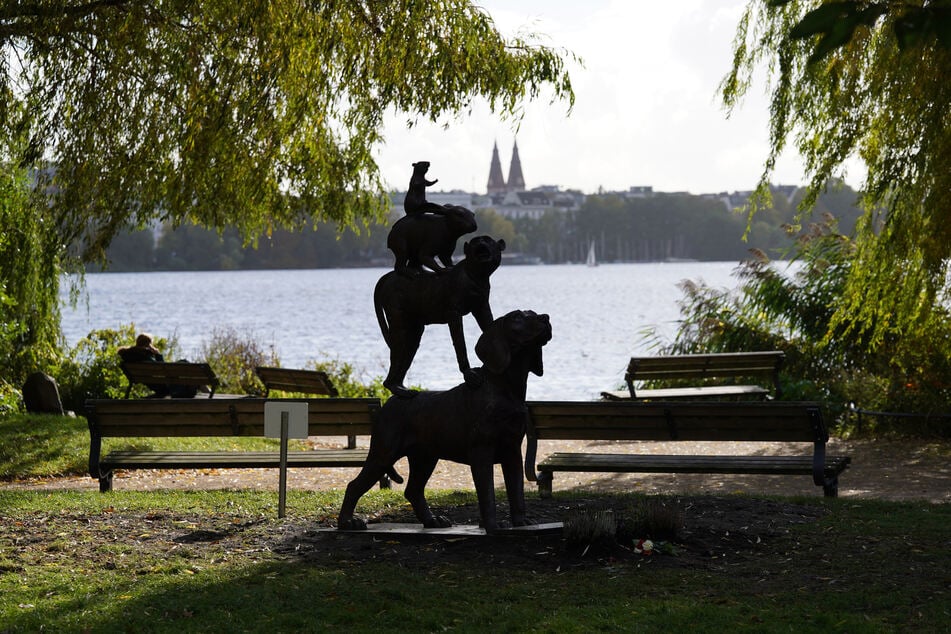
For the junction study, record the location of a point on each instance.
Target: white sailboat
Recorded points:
(592, 260)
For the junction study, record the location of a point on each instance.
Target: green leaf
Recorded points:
(915, 25)
(910, 28)
(870, 14)
(942, 26)
(823, 19)
(839, 35)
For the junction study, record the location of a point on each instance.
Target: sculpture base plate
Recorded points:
(462, 530)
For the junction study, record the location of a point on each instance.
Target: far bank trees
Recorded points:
(656, 228)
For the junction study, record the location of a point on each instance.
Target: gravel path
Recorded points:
(881, 469)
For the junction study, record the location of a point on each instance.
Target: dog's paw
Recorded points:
(352, 524)
(400, 391)
(437, 521)
(474, 377)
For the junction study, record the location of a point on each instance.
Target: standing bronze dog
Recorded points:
(406, 305)
(478, 426)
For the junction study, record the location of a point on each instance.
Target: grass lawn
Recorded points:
(222, 561)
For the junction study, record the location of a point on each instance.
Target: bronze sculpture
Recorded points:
(480, 422)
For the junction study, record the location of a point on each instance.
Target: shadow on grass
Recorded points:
(296, 596)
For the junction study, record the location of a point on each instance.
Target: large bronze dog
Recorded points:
(406, 305)
(478, 426)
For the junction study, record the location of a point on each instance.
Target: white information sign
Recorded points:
(296, 419)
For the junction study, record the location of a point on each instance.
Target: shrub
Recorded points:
(233, 356)
(11, 400)
(348, 385)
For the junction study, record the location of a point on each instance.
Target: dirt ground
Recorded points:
(700, 517)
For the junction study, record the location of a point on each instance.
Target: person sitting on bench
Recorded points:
(144, 350)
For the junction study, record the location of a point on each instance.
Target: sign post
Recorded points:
(284, 420)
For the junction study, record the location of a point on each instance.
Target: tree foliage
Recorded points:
(29, 281)
(251, 116)
(255, 115)
(865, 79)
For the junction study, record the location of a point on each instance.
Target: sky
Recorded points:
(647, 111)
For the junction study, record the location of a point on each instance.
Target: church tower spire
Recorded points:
(496, 184)
(516, 182)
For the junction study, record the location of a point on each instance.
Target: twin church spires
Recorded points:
(497, 184)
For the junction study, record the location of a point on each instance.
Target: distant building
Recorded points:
(509, 198)
(640, 191)
(635, 191)
(516, 182)
(533, 204)
(496, 184)
(455, 197)
(738, 199)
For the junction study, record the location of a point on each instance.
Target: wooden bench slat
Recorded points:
(714, 364)
(234, 459)
(633, 420)
(702, 391)
(205, 417)
(172, 373)
(654, 463)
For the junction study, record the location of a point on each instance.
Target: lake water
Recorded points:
(598, 315)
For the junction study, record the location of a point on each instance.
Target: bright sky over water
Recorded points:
(647, 110)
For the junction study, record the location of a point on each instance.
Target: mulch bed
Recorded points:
(707, 529)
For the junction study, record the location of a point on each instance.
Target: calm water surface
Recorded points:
(598, 315)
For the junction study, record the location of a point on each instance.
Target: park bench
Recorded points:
(295, 381)
(243, 417)
(184, 373)
(681, 421)
(701, 367)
